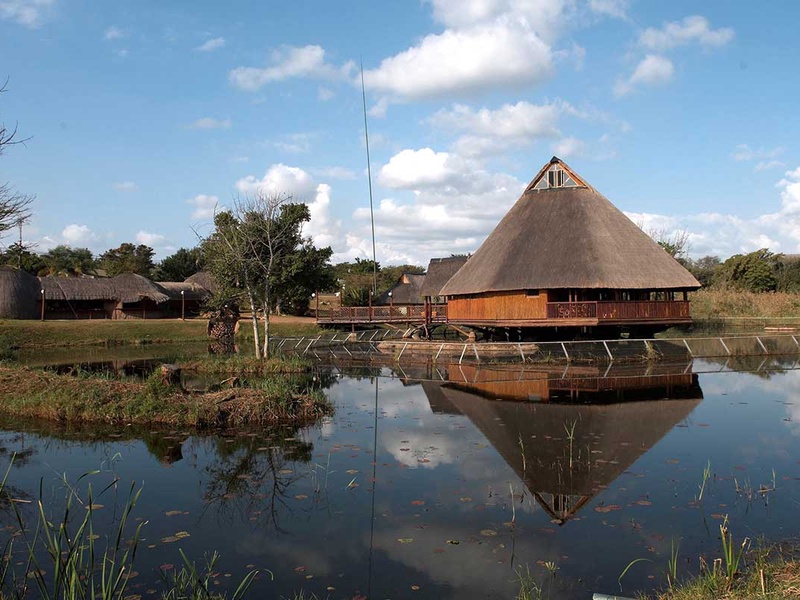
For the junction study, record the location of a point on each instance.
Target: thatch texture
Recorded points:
(127, 288)
(203, 279)
(568, 238)
(20, 294)
(405, 291)
(440, 270)
(191, 291)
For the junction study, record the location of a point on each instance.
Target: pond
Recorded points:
(449, 482)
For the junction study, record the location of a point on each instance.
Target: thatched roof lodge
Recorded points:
(122, 297)
(565, 256)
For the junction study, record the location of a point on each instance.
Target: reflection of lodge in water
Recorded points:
(566, 452)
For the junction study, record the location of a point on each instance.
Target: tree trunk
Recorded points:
(254, 319)
(266, 318)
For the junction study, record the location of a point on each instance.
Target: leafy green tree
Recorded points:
(704, 269)
(754, 272)
(19, 256)
(255, 252)
(177, 267)
(128, 258)
(66, 261)
(300, 274)
(789, 275)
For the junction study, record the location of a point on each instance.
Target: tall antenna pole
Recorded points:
(369, 177)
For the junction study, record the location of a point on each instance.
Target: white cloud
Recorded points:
(150, 239)
(324, 94)
(651, 70)
(569, 147)
(289, 62)
(126, 186)
(212, 44)
(113, 33)
(545, 17)
(30, 13)
(204, 207)
(424, 168)
(611, 8)
(744, 152)
(766, 165)
(693, 29)
(280, 179)
(726, 234)
(494, 131)
(211, 123)
(77, 234)
(504, 52)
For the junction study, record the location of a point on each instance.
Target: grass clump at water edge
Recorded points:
(89, 398)
(64, 556)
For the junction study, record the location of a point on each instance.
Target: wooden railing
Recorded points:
(619, 311)
(418, 313)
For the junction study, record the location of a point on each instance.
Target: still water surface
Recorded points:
(456, 482)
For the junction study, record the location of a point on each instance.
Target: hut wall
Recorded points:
(498, 306)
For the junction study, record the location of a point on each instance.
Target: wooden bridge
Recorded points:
(415, 314)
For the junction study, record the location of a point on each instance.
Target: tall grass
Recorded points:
(715, 304)
(65, 557)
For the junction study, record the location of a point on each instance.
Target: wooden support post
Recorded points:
(316, 309)
(370, 306)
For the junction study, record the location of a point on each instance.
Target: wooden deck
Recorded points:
(558, 314)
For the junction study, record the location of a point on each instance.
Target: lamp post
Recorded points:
(42, 296)
(183, 305)
(315, 296)
(391, 303)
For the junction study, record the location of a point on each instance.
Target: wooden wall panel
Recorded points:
(493, 306)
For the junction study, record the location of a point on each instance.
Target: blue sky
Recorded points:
(144, 116)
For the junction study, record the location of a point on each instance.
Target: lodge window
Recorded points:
(555, 178)
(532, 293)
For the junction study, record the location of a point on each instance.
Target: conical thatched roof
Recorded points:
(440, 270)
(124, 288)
(567, 237)
(191, 291)
(19, 294)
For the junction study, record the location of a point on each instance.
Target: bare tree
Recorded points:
(14, 207)
(675, 242)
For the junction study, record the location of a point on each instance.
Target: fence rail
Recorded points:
(417, 313)
(392, 345)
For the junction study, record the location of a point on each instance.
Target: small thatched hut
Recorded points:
(440, 270)
(565, 256)
(20, 294)
(186, 298)
(405, 292)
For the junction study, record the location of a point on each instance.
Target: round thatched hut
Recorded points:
(20, 294)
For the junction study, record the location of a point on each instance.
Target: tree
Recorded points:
(675, 243)
(14, 206)
(63, 260)
(300, 274)
(255, 252)
(128, 258)
(704, 269)
(177, 267)
(753, 272)
(19, 256)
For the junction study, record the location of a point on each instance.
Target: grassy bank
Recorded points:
(770, 573)
(91, 398)
(52, 334)
(711, 305)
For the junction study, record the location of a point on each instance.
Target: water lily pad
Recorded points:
(405, 540)
(488, 532)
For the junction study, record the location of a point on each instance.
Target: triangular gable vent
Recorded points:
(555, 174)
